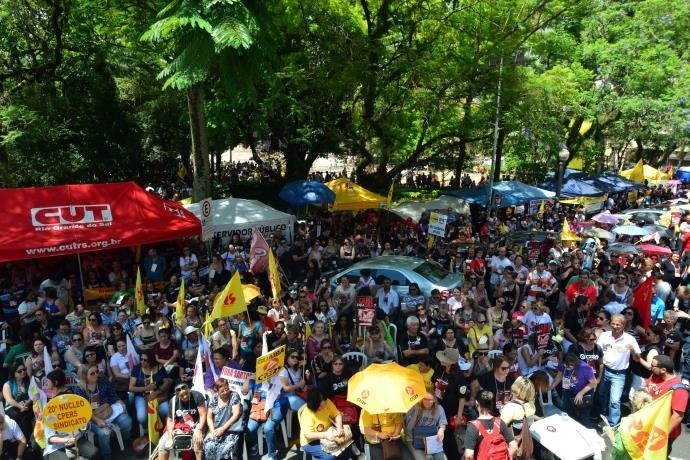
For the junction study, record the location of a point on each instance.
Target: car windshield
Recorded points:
(432, 272)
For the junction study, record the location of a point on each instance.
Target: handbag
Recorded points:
(391, 449)
(420, 433)
(525, 442)
(182, 440)
(347, 410)
(587, 401)
(257, 412)
(337, 446)
(104, 411)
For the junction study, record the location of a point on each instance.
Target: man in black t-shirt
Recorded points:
(187, 415)
(412, 343)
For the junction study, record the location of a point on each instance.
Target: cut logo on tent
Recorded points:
(70, 215)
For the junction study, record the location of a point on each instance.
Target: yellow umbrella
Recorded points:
(250, 291)
(386, 388)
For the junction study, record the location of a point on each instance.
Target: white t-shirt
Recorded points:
(500, 265)
(616, 353)
(454, 304)
(121, 362)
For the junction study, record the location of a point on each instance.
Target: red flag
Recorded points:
(642, 300)
(258, 252)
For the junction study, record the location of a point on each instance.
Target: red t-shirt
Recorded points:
(679, 401)
(575, 289)
(478, 265)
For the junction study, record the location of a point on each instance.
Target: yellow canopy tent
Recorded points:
(640, 172)
(352, 197)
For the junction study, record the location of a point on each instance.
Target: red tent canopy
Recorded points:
(67, 219)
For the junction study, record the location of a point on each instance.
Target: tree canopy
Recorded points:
(104, 91)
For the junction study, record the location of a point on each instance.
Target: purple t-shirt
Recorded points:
(576, 379)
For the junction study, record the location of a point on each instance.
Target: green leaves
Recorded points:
(166, 28)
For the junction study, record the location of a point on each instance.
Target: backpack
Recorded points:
(493, 445)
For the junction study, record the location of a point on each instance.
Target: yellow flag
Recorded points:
(231, 300)
(389, 201)
(645, 433)
(567, 234)
(274, 275)
(155, 426)
(179, 310)
(139, 294)
(307, 331)
(542, 207)
(182, 172)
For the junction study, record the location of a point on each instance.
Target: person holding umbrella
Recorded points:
(384, 392)
(382, 433)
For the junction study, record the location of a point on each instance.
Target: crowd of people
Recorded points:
(523, 327)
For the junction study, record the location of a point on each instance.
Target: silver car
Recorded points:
(403, 271)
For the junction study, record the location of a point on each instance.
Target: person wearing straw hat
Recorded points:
(452, 389)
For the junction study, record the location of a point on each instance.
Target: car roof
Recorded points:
(406, 262)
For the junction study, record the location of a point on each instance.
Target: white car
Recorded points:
(403, 271)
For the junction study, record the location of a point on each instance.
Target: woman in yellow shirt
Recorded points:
(315, 418)
(381, 427)
(480, 333)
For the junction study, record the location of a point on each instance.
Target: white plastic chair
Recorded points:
(260, 436)
(548, 405)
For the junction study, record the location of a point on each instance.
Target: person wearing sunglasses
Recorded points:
(149, 380)
(108, 408)
(376, 348)
(480, 332)
(498, 382)
(94, 355)
(95, 332)
(74, 355)
(15, 392)
(188, 415)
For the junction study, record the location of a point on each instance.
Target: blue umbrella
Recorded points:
(304, 192)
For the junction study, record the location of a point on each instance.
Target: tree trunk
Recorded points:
(296, 165)
(460, 162)
(201, 185)
(499, 155)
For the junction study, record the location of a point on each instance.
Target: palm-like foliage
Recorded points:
(199, 34)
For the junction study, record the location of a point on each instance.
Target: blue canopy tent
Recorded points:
(683, 174)
(512, 193)
(574, 188)
(613, 183)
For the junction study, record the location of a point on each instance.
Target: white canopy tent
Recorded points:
(414, 209)
(236, 215)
